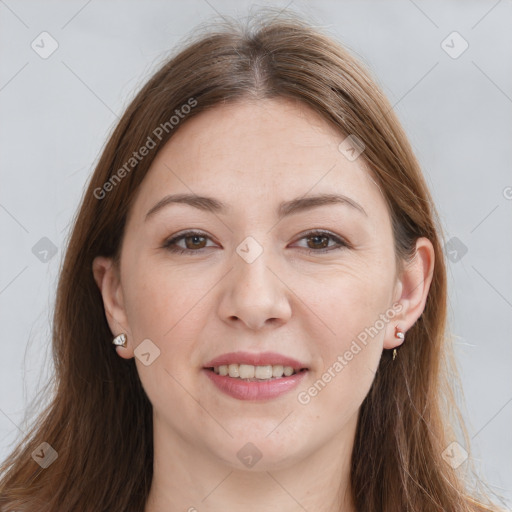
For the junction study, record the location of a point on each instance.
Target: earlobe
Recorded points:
(414, 285)
(108, 281)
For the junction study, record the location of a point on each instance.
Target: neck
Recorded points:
(189, 478)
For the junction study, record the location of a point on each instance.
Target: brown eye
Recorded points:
(195, 242)
(322, 241)
(190, 242)
(318, 241)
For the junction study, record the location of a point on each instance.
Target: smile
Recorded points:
(254, 373)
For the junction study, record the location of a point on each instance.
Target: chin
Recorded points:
(256, 450)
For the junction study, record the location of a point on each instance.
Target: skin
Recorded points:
(291, 300)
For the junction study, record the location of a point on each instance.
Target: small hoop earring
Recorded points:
(399, 335)
(120, 340)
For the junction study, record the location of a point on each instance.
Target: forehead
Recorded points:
(270, 149)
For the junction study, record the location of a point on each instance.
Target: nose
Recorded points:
(255, 295)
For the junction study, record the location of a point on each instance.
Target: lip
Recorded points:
(247, 390)
(256, 359)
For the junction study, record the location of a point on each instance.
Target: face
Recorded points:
(262, 268)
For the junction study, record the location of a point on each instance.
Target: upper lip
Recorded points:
(255, 359)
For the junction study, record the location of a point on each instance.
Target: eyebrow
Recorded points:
(285, 209)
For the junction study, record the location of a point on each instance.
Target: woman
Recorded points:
(259, 247)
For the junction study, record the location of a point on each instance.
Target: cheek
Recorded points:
(165, 306)
(347, 298)
(170, 307)
(352, 307)
(161, 299)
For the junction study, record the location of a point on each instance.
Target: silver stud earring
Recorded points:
(399, 335)
(120, 340)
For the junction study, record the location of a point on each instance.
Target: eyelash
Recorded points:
(170, 243)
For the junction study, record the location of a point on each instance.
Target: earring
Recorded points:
(120, 340)
(401, 336)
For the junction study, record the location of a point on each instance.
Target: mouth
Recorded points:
(252, 373)
(255, 376)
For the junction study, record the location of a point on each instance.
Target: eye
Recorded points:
(194, 241)
(318, 241)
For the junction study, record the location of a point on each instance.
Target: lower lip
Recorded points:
(265, 390)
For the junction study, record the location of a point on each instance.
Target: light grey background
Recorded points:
(56, 114)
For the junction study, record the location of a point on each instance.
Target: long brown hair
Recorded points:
(99, 419)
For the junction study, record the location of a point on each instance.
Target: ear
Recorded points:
(107, 278)
(412, 290)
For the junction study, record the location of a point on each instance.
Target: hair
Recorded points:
(99, 419)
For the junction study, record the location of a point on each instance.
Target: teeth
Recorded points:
(263, 372)
(248, 371)
(277, 370)
(233, 370)
(288, 370)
